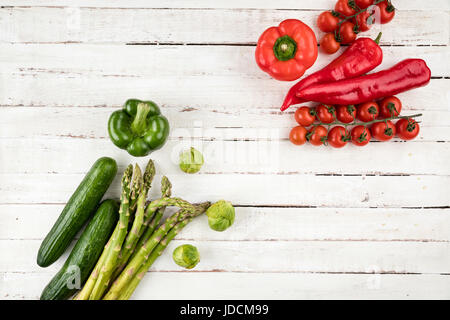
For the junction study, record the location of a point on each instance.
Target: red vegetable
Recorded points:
(365, 20)
(325, 114)
(387, 11)
(329, 44)
(346, 114)
(405, 75)
(347, 32)
(305, 116)
(317, 135)
(327, 22)
(383, 131)
(286, 51)
(363, 3)
(338, 137)
(360, 136)
(342, 6)
(359, 58)
(390, 106)
(298, 135)
(368, 111)
(407, 129)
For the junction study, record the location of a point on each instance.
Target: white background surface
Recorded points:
(311, 222)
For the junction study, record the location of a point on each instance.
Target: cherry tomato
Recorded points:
(298, 135)
(365, 20)
(387, 11)
(347, 33)
(305, 116)
(325, 114)
(343, 7)
(346, 114)
(367, 111)
(390, 106)
(383, 131)
(338, 137)
(327, 22)
(362, 4)
(317, 135)
(407, 129)
(360, 136)
(328, 43)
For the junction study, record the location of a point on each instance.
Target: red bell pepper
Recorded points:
(363, 55)
(405, 75)
(286, 51)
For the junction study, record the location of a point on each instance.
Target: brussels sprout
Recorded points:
(191, 160)
(186, 256)
(220, 215)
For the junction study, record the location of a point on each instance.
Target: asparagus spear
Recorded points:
(133, 235)
(89, 285)
(136, 188)
(146, 249)
(117, 239)
(133, 283)
(166, 190)
(131, 276)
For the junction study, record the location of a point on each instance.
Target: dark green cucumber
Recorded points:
(77, 211)
(85, 254)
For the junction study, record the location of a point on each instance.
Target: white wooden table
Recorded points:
(311, 222)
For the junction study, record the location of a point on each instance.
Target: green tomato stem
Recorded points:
(355, 123)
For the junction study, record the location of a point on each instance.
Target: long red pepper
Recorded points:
(405, 75)
(362, 56)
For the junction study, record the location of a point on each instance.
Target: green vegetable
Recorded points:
(125, 285)
(77, 211)
(84, 255)
(191, 160)
(138, 128)
(186, 256)
(117, 238)
(220, 215)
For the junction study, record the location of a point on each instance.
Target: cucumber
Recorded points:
(77, 211)
(85, 254)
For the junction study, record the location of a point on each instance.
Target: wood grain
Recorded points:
(254, 189)
(31, 222)
(202, 285)
(256, 256)
(193, 26)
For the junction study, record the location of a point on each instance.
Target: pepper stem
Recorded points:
(377, 39)
(285, 48)
(139, 123)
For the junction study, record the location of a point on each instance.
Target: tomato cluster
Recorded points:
(348, 18)
(375, 120)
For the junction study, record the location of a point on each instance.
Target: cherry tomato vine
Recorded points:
(349, 18)
(329, 129)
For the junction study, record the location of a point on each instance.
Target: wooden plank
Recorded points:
(166, 60)
(185, 91)
(24, 222)
(199, 285)
(62, 155)
(225, 4)
(112, 25)
(186, 123)
(257, 256)
(254, 189)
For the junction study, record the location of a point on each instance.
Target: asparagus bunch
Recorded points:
(137, 240)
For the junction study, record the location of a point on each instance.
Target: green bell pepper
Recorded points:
(139, 127)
